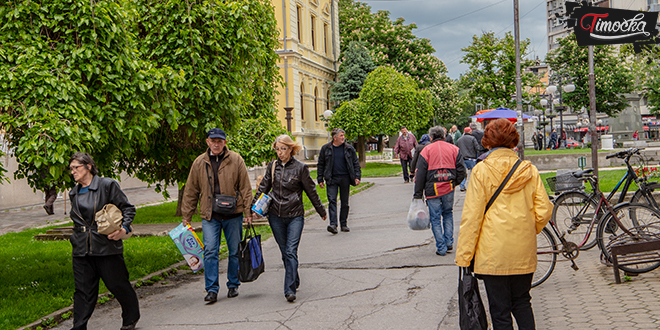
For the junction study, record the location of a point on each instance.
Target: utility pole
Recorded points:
(592, 112)
(519, 122)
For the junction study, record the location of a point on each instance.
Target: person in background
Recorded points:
(553, 139)
(535, 141)
(439, 170)
(448, 136)
(502, 242)
(478, 134)
(218, 171)
(339, 166)
(422, 143)
(541, 140)
(564, 137)
(469, 148)
(97, 256)
(636, 135)
(455, 133)
(403, 147)
(286, 213)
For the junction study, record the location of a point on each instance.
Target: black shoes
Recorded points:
(130, 326)
(211, 297)
(332, 229)
(290, 297)
(233, 292)
(345, 229)
(449, 248)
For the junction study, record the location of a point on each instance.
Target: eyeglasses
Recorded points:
(75, 167)
(281, 149)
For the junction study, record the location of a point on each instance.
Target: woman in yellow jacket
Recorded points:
(503, 241)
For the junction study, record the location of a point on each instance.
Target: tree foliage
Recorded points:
(355, 67)
(612, 78)
(646, 72)
(137, 84)
(491, 77)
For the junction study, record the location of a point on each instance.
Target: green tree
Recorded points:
(612, 78)
(70, 80)
(388, 100)
(491, 76)
(355, 67)
(646, 72)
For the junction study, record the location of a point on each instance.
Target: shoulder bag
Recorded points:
(222, 204)
(472, 314)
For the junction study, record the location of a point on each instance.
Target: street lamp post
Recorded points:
(551, 89)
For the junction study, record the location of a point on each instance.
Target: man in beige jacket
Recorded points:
(218, 172)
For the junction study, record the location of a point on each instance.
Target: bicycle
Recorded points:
(623, 219)
(574, 210)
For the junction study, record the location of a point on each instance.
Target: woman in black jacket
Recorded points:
(97, 256)
(286, 183)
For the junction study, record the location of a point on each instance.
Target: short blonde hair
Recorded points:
(286, 140)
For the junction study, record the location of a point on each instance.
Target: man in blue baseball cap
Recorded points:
(219, 183)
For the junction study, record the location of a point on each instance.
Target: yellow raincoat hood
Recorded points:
(503, 242)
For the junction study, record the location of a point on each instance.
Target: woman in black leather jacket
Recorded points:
(286, 212)
(97, 256)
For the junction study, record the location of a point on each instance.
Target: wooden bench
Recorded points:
(634, 253)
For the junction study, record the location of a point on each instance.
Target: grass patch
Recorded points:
(374, 170)
(37, 276)
(607, 181)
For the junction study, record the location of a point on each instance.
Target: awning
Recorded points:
(585, 129)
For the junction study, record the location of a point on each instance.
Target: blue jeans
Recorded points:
(469, 164)
(213, 229)
(287, 232)
(441, 210)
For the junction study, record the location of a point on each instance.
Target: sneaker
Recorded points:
(290, 297)
(211, 297)
(441, 254)
(463, 189)
(232, 292)
(449, 248)
(332, 229)
(345, 229)
(130, 326)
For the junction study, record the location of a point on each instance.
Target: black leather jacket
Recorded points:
(326, 162)
(86, 241)
(287, 187)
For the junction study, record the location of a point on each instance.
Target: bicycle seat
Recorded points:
(580, 174)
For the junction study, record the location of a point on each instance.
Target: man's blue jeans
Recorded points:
(213, 229)
(287, 232)
(441, 210)
(469, 164)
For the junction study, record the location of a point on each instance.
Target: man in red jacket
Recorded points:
(404, 146)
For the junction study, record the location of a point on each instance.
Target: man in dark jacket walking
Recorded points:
(339, 166)
(478, 134)
(469, 148)
(439, 169)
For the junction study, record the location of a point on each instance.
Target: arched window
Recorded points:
(302, 102)
(316, 103)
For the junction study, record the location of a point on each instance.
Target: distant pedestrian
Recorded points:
(440, 168)
(339, 167)
(455, 133)
(478, 134)
(469, 148)
(564, 137)
(502, 240)
(98, 256)
(541, 139)
(403, 147)
(636, 135)
(448, 136)
(286, 214)
(218, 173)
(553, 139)
(535, 141)
(425, 140)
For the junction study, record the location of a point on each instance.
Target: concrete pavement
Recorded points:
(383, 275)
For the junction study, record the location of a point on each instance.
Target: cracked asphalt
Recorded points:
(382, 275)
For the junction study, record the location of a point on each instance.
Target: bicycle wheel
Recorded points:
(573, 213)
(546, 256)
(643, 223)
(638, 197)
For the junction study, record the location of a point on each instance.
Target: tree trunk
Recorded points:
(380, 144)
(361, 151)
(179, 201)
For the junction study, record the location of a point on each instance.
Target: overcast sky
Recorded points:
(450, 24)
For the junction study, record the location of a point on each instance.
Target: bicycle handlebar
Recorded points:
(623, 154)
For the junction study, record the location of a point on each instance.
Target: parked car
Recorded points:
(570, 143)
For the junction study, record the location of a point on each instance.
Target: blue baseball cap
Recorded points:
(216, 133)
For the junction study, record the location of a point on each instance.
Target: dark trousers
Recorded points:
(405, 165)
(341, 185)
(510, 295)
(86, 273)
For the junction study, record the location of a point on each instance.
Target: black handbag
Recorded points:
(472, 314)
(222, 204)
(250, 256)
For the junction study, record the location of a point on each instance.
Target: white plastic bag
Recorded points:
(418, 215)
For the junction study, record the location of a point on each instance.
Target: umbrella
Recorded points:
(499, 113)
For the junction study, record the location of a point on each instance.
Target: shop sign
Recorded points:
(607, 26)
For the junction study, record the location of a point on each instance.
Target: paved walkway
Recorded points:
(382, 275)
